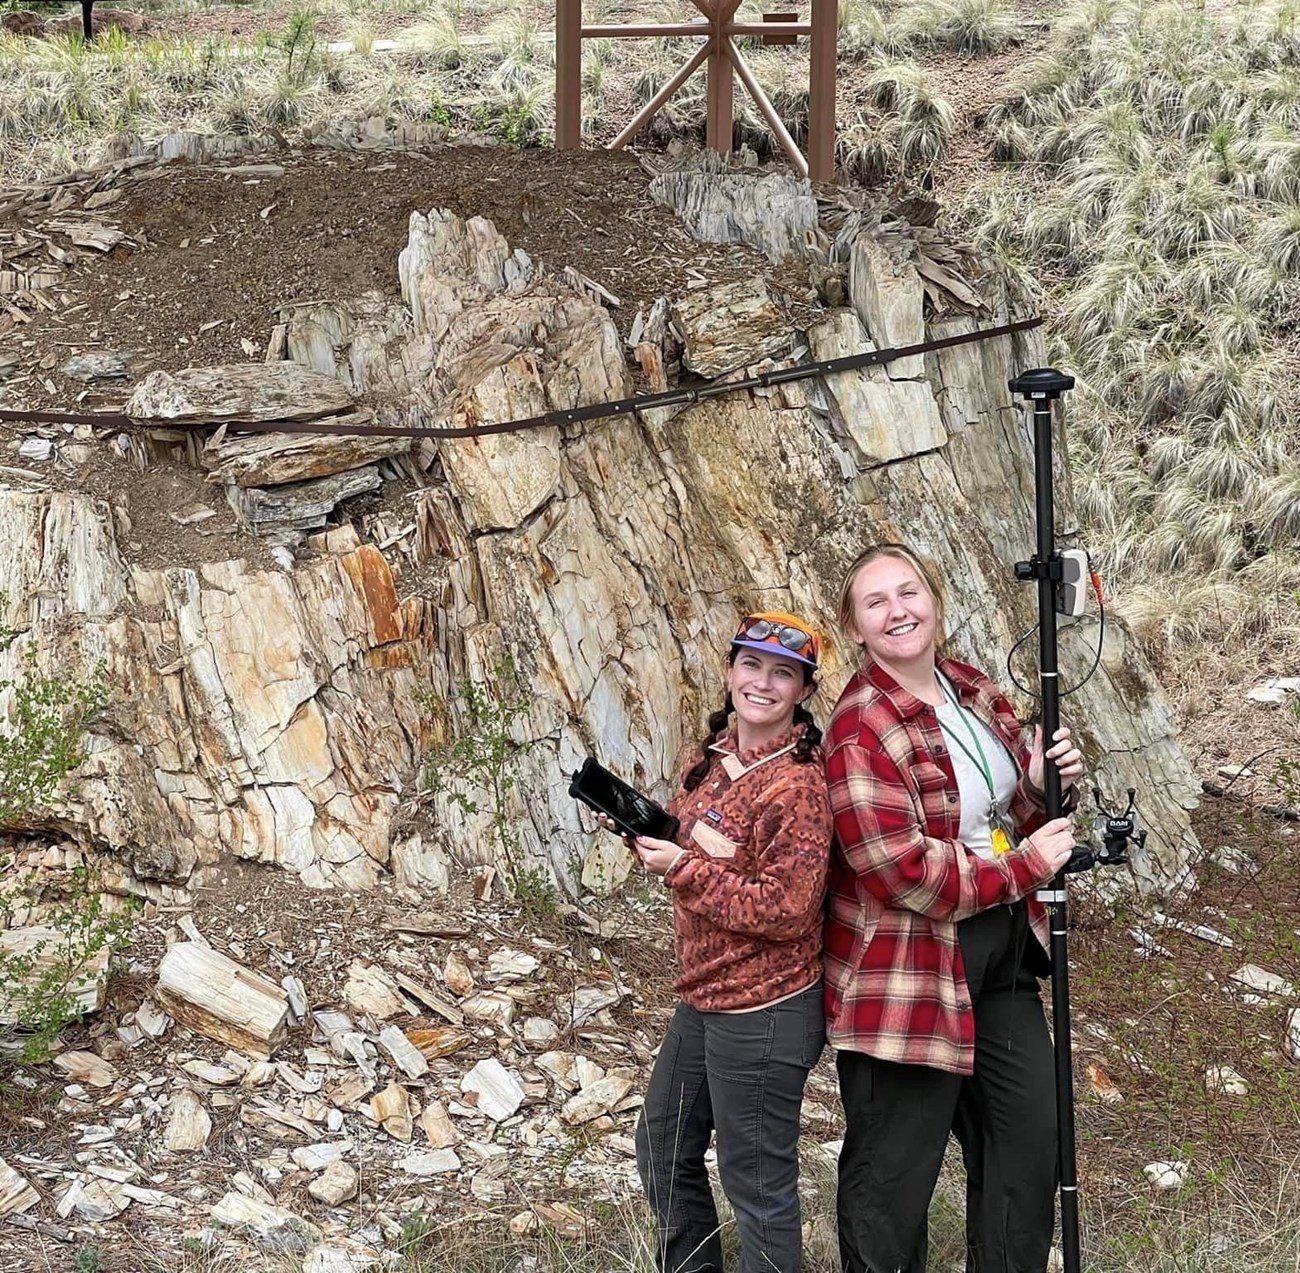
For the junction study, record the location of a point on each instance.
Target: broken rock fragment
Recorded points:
(439, 1041)
(274, 459)
(391, 1109)
(456, 975)
(729, 326)
(152, 1020)
(499, 1092)
(336, 1184)
(188, 1126)
(257, 391)
(406, 1056)
(589, 1000)
(334, 1259)
(275, 1228)
(438, 1126)
(93, 1200)
(540, 1030)
(510, 965)
(206, 1072)
(299, 505)
(371, 990)
(86, 1067)
(602, 1097)
(104, 364)
(430, 1162)
(16, 1194)
(317, 1157)
(216, 997)
(490, 1007)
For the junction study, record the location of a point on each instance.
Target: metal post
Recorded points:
(568, 74)
(1042, 387)
(821, 90)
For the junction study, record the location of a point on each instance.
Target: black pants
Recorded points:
(742, 1074)
(898, 1118)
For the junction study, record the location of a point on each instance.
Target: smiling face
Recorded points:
(895, 618)
(765, 690)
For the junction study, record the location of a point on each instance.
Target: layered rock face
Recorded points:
(263, 714)
(273, 714)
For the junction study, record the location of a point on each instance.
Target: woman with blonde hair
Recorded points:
(747, 873)
(934, 941)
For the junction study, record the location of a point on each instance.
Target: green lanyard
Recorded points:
(976, 757)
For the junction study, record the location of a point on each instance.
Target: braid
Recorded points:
(717, 726)
(811, 738)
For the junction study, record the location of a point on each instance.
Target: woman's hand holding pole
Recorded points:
(1054, 842)
(1068, 758)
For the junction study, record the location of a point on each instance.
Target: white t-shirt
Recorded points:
(972, 790)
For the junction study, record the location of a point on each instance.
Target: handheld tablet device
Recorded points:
(630, 811)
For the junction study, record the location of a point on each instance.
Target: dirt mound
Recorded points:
(218, 251)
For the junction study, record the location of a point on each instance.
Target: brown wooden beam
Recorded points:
(568, 74)
(821, 90)
(646, 28)
(720, 105)
(769, 28)
(635, 30)
(768, 111)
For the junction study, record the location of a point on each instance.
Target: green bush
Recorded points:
(41, 744)
(478, 760)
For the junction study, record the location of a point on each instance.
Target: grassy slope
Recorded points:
(1148, 187)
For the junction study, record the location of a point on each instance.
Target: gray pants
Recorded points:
(898, 1117)
(741, 1074)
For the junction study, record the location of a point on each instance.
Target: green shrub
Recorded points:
(41, 744)
(476, 768)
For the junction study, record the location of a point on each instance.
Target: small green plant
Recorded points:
(42, 979)
(965, 26)
(438, 112)
(41, 735)
(90, 1259)
(535, 894)
(41, 744)
(481, 758)
(299, 44)
(417, 1231)
(440, 40)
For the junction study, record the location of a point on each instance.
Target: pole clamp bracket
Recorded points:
(1035, 568)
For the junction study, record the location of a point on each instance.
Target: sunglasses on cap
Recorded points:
(757, 630)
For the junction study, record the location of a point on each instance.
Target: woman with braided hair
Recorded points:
(748, 879)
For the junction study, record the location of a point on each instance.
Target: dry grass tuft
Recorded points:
(1151, 165)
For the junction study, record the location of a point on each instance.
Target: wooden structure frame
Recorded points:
(718, 30)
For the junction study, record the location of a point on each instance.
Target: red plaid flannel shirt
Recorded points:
(900, 877)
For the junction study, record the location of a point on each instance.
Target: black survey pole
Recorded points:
(1042, 387)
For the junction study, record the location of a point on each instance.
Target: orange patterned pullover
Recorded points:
(749, 893)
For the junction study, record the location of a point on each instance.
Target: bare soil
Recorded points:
(234, 249)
